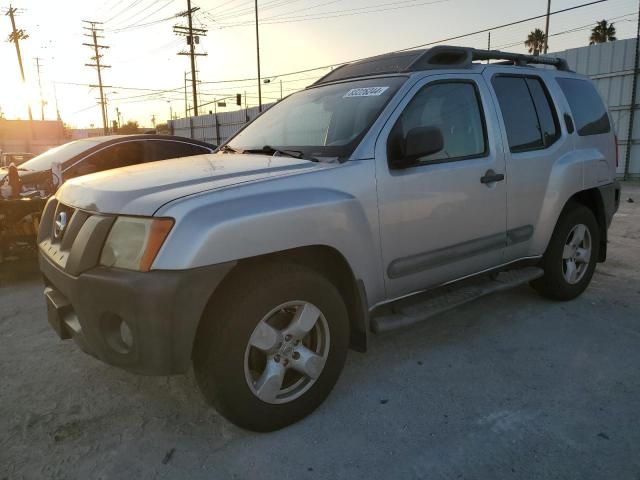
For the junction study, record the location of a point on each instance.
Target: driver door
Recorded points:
(443, 217)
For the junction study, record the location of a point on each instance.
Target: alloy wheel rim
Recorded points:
(576, 254)
(287, 352)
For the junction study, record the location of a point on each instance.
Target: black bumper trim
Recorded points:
(161, 308)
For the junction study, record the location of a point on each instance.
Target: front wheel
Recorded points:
(272, 345)
(571, 256)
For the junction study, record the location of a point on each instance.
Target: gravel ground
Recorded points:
(511, 386)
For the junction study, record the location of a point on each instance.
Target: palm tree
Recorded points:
(602, 32)
(535, 42)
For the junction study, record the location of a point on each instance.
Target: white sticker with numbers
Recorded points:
(365, 92)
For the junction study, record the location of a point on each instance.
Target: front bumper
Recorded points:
(161, 311)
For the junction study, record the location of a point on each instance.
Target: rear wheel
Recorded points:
(272, 345)
(571, 256)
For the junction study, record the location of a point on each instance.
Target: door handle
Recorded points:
(491, 177)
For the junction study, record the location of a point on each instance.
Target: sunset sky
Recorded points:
(296, 35)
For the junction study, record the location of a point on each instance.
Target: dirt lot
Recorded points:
(511, 386)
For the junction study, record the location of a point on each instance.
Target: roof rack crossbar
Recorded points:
(519, 58)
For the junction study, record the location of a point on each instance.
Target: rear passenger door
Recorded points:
(535, 142)
(438, 220)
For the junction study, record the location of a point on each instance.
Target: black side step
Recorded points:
(421, 307)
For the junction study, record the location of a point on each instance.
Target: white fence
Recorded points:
(214, 128)
(611, 66)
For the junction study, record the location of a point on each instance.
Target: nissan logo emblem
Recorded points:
(60, 225)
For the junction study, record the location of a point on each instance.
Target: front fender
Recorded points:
(239, 225)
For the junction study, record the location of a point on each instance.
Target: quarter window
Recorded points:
(528, 114)
(589, 112)
(452, 107)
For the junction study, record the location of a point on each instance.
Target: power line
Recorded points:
(336, 13)
(249, 10)
(145, 97)
(484, 30)
(144, 25)
(123, 10)
(570, 30)
(123, 24)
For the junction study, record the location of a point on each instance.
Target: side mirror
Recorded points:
(420, 142)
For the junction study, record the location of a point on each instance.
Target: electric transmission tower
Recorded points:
(93, 34)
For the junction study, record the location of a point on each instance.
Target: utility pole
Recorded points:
(193, 38)
(546, 28)
(632, 111)
(55, 96)
(15, 36)
(186, 106)
(42, 102)
(93, 34)
(258, 55)
(246, 108)
(488, 44)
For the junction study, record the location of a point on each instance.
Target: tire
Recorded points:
(556, 284)
(229, 370)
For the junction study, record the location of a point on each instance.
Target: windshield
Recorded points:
(45, 160)
(326, 121)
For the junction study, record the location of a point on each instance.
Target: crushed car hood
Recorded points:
(142, 189)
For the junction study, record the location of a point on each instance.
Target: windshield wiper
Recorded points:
(227, 148)
(269, 150)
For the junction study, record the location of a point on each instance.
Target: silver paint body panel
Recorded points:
(229, 207)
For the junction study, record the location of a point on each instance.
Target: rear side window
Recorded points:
(114, 156)
(546, 117)
(589, 112)
(528, 114)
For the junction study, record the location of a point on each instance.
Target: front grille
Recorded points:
(59, 229)
(61, 222)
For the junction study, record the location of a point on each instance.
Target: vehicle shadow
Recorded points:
(18, 270)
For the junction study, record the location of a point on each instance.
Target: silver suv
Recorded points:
(390, 190)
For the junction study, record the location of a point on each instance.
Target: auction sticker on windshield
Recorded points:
(365, 92)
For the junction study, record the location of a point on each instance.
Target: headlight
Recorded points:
(134, 242)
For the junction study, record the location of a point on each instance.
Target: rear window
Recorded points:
(589, 112)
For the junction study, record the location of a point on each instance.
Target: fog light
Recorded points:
(117, 333)
(126, 335)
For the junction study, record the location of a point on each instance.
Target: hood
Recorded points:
(142, 189)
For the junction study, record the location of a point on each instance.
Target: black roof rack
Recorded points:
(442, 56)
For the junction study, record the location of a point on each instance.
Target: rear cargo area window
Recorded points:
(529, 117)
(589, 112)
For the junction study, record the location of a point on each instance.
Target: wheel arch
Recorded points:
(330, 263)
(592, 199)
